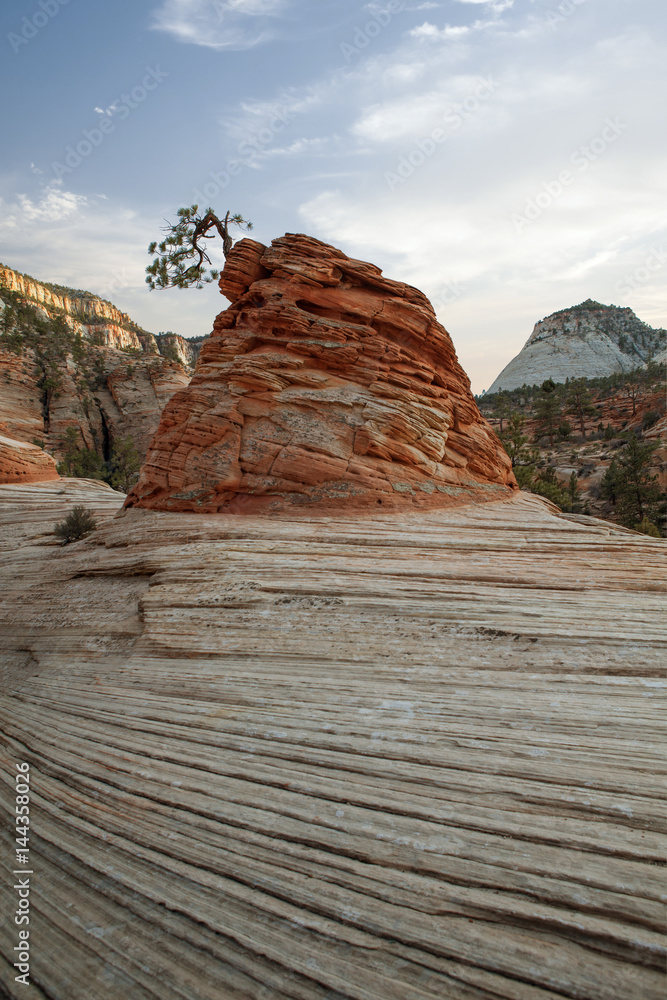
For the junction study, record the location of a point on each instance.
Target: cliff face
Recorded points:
(588, 341)
(71, 360)
(108, 400)
(324, 383)
(21, 462)
(94, 318)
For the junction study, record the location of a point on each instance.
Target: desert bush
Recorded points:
(650, 419)
(78, 523)
(647, 527)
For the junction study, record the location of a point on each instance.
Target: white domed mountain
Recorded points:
(587, 341)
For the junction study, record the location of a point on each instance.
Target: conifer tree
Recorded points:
(125, 465)
(548, 411)
(578, 402)
(180, 258)
(630, 486)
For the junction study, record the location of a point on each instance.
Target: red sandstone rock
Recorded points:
(323, 383)
(21, 462)
(126, 397)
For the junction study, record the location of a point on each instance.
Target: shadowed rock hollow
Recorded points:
(326, 384)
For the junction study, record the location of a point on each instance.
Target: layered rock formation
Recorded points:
(95, 318)
(323, 383)
(587, 341)
(21, 462)
(412, 757)
(106, 399)
(69, 359)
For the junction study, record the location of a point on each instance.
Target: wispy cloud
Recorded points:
(53, 205)
(220, 24)
(497, 6)
(53, 234)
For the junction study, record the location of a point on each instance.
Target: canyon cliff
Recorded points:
(96, 319)
(587, 341)
(69, 359)
(326, 384)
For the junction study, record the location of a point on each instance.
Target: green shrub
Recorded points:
(647, 527)
(79, 523)
(650, 419)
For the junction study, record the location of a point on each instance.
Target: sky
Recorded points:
(506, 157)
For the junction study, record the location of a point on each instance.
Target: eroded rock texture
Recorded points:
(21, 462)
(406, 757)
(322, 383)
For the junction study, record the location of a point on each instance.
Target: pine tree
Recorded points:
(502, 409)
(125, 465)
(548, 411)
(630, 486)
(633, 388)
(573, 490)
(515, 442)
(180, 257)
(547, 484)
(578, 402)
(79, 463)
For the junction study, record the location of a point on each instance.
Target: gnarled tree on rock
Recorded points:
(181, 258)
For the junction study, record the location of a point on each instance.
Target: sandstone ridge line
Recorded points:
(324, 385)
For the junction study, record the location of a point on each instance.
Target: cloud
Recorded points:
(219, 24)
(430, 33)
(53, 206)
(54, 235)
(446, 226)
(497, 6)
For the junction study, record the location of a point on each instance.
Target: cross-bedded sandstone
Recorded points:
(323, 383)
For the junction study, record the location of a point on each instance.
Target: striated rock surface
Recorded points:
(95, 318)
(21, 462)
(122, 396)
(21, 399)
(407, 757)
(590, 340)
(105, 398)
(323, 383)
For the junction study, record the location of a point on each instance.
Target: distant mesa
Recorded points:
(323, 384)
(590, 340)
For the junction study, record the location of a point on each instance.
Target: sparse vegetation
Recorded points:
(79, 462)
(79, 523)
(601, 445)
(631, 487)
(124, 465)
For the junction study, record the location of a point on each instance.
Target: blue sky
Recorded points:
(506, 157)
